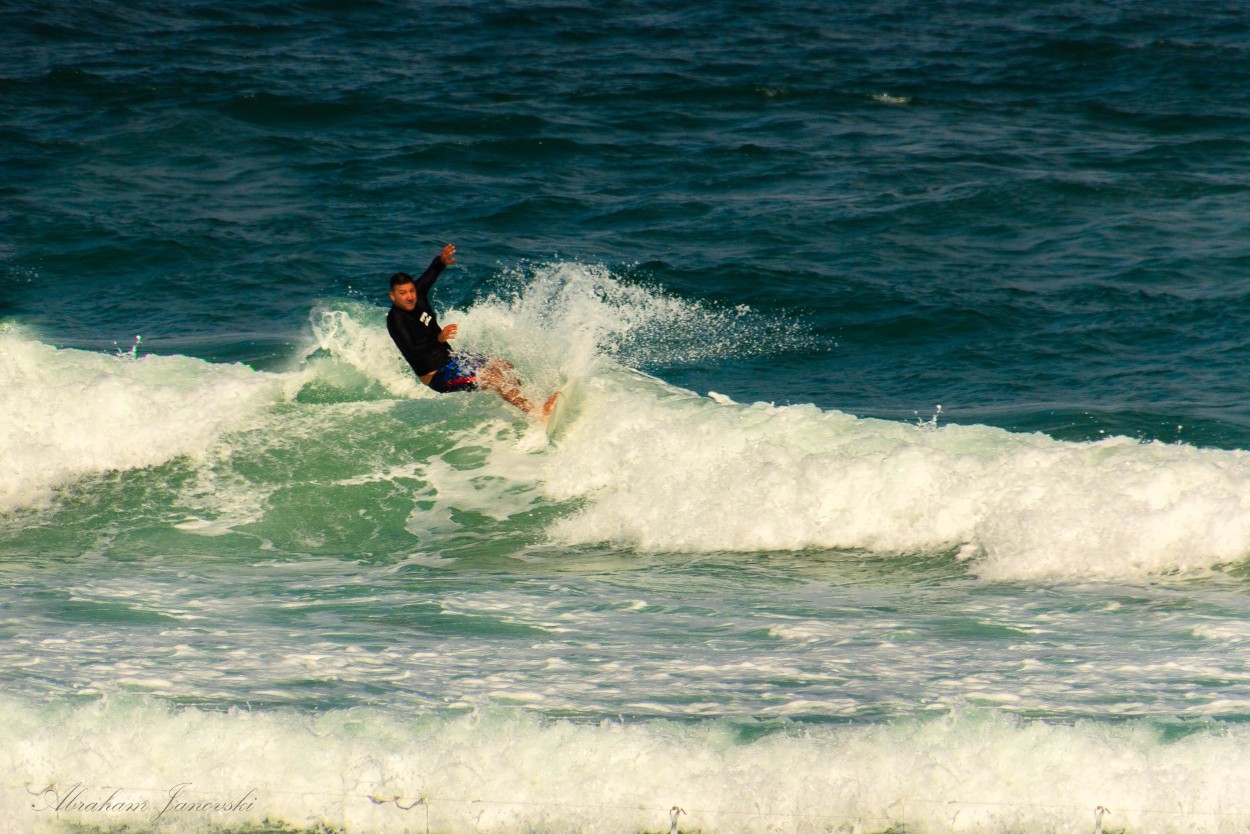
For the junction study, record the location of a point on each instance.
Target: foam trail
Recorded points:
(70, 413)
(661, 471)
(357, 336)
(505, 772)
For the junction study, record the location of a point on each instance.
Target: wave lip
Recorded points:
(69, 413)
(666, 472)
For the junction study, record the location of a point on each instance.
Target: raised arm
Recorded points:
(445, 258)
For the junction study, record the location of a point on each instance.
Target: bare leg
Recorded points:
(550, 404)
(499, 376)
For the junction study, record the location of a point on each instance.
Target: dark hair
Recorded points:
(400, 278)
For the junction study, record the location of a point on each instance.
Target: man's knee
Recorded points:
(498, 373)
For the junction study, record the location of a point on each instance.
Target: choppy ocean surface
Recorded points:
(908, 488)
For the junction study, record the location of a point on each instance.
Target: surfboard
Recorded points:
(566, 408)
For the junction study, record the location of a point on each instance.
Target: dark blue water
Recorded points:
(1031, 216)
(256, 526)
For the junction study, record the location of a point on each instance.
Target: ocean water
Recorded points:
(907, 490)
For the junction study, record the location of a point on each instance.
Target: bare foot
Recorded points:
(550, 404)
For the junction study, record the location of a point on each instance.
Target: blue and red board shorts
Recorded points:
(460, 374)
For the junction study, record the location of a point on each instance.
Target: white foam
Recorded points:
(363, 343)
(580, 313)
(501, 771)
(1223, 632)
(467, 488)
(661, 470)
(69, 413)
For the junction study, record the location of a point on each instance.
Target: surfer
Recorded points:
(414, 327)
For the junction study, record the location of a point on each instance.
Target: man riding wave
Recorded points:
(414, 327)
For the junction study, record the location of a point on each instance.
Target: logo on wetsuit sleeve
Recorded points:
(426, 318)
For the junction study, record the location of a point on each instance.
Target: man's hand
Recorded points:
(448, 333)
(448, 255)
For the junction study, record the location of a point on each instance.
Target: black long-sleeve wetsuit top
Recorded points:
(416, 333)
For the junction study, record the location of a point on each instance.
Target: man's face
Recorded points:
(405, 297)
